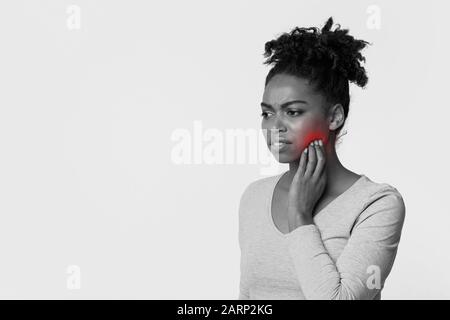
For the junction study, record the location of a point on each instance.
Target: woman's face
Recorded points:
(298, 123)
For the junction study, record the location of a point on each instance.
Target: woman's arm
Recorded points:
(365, 262)
(243, 291)
(243, 279)
(243, 287)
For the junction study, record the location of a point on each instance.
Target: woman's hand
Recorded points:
(307, 185)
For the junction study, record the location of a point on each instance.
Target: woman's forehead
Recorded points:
(281, 89)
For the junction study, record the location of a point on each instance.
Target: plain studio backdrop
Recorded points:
(96, 98)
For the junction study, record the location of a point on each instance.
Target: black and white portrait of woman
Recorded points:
(329, 232)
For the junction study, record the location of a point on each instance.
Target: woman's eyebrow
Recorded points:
(284, 105)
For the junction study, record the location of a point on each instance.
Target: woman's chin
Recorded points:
(284, 157)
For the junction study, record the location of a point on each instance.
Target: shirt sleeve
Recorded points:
(243, 287)
(365, 262)
(244, 293)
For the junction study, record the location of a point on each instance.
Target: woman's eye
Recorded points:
(294, 112)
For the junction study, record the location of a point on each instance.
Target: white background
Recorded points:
(86, 118)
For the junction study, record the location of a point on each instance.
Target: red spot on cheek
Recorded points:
(311, 136)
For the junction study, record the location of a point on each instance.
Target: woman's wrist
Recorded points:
(299, 218)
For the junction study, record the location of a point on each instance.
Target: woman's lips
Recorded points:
(280, 140)
(280, 146)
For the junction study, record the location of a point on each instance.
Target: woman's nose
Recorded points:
(278, 124)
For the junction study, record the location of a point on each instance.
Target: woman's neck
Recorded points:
(335, 171)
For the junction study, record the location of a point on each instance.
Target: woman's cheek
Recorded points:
(304, 139)
(315, 135)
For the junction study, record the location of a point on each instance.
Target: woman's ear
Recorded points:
(336, 117)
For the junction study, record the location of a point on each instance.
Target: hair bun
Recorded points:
(332, 51)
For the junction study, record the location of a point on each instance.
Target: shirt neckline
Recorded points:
(327, 207)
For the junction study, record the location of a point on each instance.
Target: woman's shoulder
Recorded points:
(373, 188)
(381, 197)
(256, 192)
(261, 185)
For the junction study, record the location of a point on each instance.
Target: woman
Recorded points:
(319, 230)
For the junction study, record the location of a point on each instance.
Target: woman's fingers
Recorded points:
(312, 160)
(320, 160)
(303, 161)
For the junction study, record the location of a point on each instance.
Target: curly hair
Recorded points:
(329, 59)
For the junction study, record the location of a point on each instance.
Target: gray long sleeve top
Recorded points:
(346, 254)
